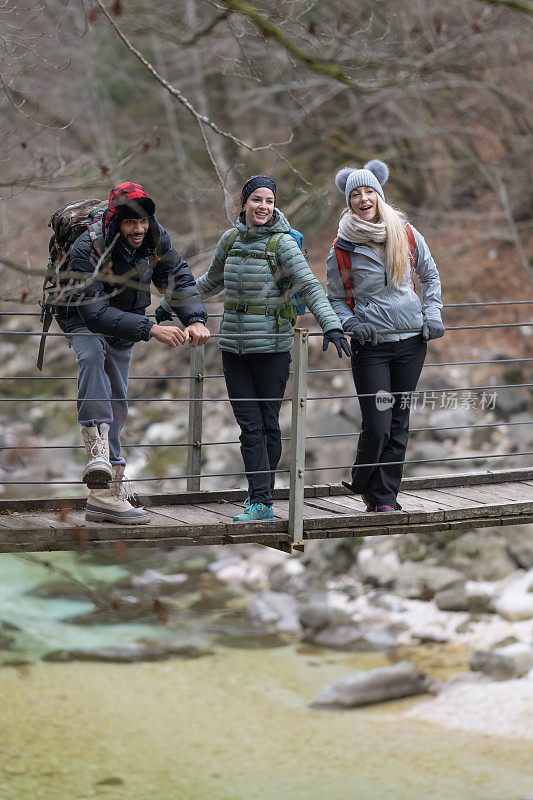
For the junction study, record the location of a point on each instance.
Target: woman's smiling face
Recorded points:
(364, 203)
(259, 206)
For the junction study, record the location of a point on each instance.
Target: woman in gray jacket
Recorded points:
(370, 285)
(259, 266)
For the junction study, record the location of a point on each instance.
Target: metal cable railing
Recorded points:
(480, 304)
(298, 469)
(414, 392)
(54, 334)
(350, 434)
(221, 375)
(241, 473)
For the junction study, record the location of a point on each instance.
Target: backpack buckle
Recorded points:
(242, 308)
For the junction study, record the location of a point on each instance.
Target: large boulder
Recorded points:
(356, 637)
(288, 576)
(519, 540)
(276, 609)
(511, 402)
(422, 581)
(516, 600)
(376, 570)
(444, 418)
(479, 555)
(503, 663)
(331, 627)
(454, 599)
(318, 615)
(375, 686)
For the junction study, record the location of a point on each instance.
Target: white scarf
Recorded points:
(357, 230)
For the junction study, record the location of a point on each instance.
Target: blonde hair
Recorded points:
(397, 249)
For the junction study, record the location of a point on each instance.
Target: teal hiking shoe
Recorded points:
(254, 512)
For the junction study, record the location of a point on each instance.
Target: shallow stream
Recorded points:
(234, 723)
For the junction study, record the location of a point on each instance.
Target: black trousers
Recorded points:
(258, 375)
(389, 368)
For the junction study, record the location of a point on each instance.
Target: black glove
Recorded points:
(363, 332)
(432, 329)
(340, 342)
(161, 314)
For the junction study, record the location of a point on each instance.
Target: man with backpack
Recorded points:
(104, 289)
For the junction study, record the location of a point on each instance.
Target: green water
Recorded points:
(234, 724)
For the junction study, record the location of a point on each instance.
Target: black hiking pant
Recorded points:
(258, 375)
(389, 372)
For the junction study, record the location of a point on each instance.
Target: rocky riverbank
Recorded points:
(416, 601)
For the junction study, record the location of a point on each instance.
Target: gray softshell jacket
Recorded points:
(377, 301)
(245, 276)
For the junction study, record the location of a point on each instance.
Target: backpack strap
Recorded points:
(230, 241)
(96, 232)
(345, 269)
(412, 251)
(271, 253)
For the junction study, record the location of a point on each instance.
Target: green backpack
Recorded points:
(295, 306)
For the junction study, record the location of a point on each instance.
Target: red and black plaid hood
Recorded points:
(128, 198)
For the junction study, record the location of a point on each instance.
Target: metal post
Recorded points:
(196, 393)
(299, 408)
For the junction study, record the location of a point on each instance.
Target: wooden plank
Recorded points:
(451, 479)
(419, 527)
(411, 501)
(488, 495)
(512, 491)
(256, 538)
(310, 512)
(189, 515)
(447, 500)
(467, 478)
(332, 507)
(488, 511)
(521, 519)
(340, 504)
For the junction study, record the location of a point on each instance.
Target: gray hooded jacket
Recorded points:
(377, 301)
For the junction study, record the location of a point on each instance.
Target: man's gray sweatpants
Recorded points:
(102, 386)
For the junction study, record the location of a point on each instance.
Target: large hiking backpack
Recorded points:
(67, 223)
(295, 307)
(345, 266)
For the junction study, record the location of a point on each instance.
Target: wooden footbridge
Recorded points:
(451, 502)
(429, 504)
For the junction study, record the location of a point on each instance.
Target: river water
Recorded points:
(236, 723)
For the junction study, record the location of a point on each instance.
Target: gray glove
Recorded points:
(432, 329)
(161, 314)
(363, 332)
(340, 342)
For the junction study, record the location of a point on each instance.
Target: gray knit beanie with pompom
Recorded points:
(373, 174)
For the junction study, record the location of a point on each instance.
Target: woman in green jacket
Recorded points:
(256, 303)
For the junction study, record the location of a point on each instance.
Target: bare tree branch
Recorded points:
(200, 118)
(525, 6)
(269, 29)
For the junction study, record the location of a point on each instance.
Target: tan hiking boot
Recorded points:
(112, 504)
(98, 472)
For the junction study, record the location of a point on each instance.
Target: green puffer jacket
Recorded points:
(246, 278)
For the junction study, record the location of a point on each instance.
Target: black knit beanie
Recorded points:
(257, 182)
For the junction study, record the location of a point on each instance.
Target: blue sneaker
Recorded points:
(255, 511)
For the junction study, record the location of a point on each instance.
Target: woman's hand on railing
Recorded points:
(363, 332)
(432, 329)
(339, 340)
